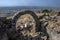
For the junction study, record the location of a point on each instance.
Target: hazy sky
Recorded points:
(48, 3)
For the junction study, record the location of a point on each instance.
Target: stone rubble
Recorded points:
(49, 29)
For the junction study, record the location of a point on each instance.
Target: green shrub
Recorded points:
(45, 11)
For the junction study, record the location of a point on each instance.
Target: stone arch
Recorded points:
(18, 14)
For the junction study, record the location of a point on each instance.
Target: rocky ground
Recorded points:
(52, 24)
(49, 28)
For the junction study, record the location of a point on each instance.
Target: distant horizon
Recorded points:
(31, 6)
(24, 6)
